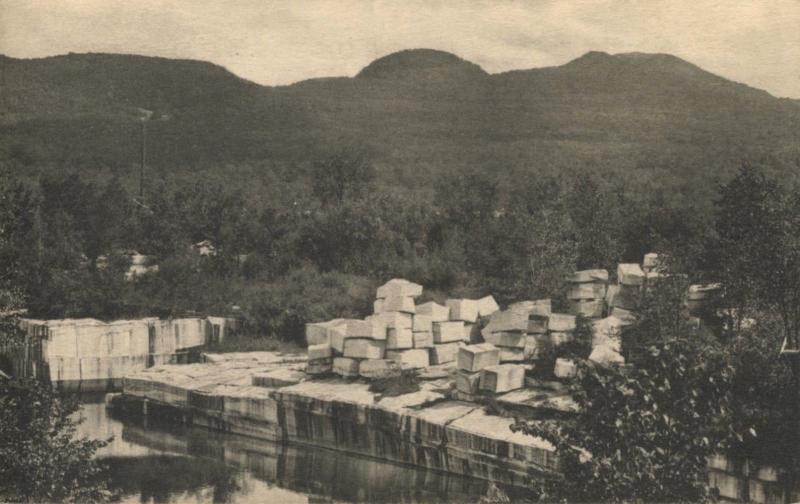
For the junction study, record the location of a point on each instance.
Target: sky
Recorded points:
(279, 42)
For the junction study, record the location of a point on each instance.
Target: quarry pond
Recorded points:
(166, 462)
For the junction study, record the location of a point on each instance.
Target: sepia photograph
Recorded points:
(399, 251)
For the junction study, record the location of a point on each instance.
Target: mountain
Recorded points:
(416, 113)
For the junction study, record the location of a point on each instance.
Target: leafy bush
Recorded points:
(283, 307)
(642, 433)
(40, 458)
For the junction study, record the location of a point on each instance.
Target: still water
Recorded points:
(179, 464)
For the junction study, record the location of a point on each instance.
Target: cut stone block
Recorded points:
(486, 306)
(611, 292)
(463, 309)
(393, 319)
(399, 304)
(435, 311)
(421, 323)
(502, 378)
(344, 366)
(323, 351)
(278, 378)
(399, 287)
(476, 357)
(472, 333)
(605, 355)
(699, 292)
(318, 332)
(377, 306)
(468, 383)
(507, 339)
(538, 324)
(373, 328)
(444, 353)
(446, 332)
(587, 276)
(565, 368)
(630, 274)
(559, 338)
(423, 339)
(399, 338)
(586, 291)
(588, 308)
(509, 354)
(541, 307)
(416, 358)
(364, 348)
(337, 339)
(561, 322)
(627, 317)
(319, 366)
(650, 262)
(509, 320)
(378, 368)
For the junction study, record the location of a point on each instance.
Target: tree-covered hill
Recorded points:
(650, 118)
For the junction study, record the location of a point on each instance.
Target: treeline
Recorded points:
(67, 242)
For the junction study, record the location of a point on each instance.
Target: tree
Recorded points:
(751, 241)
(341, 176)
(40, 458)
(644, 431)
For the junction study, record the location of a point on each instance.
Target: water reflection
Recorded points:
(171, 463)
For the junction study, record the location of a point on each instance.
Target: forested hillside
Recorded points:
(651, 119)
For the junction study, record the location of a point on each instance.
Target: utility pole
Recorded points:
(143, 160)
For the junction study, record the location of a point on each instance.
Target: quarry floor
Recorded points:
(428, 428)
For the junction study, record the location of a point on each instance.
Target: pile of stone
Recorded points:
(624, 298)
(521, 331)
(586, 293)
(399, 334)
(480, 372)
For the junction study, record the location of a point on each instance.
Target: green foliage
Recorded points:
(645, 432)
(41, 460)
(764, 400)
(341, 177)
(282, 308)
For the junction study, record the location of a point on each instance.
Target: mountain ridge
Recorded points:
(418, 112)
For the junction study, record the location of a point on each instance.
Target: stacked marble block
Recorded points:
(480, 372)
(340, 345)
(586, 293)
(625, 296)
(399, 334)
(456, 324)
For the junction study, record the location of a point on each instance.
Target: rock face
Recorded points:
(422, 428)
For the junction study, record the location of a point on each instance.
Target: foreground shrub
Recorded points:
(40, 458)
(643, 432)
